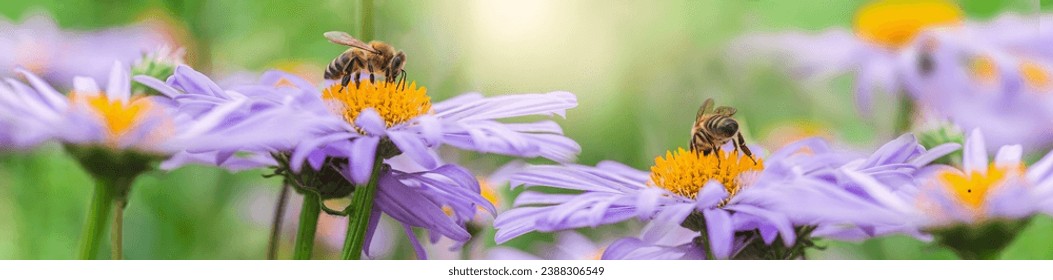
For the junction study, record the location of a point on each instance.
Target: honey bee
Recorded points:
(375, 57)
(714, 127)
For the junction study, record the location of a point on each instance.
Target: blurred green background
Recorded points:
(639, 68)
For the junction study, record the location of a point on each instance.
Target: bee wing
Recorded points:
(345, 39)
(705, 109)
(725, 110)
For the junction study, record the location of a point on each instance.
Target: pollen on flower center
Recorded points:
(685, 172)
(1035, 75)
(395, 104)
(973, 188)
(117, 116)
(489, 193)
(894, 23)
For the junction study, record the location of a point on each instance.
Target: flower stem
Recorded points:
(905, 115)
(276, 223)
(117, 232)
(361, 210)
(98, 216)
(308, 225)
(366, 21)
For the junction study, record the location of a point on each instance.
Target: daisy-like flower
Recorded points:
(882, 32)
(716, 197)
(999, 87)
(115, 134)
(734, 205)
(974, 209)
(354, 130)
(39, 46)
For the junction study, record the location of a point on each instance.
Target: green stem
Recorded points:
(366, 21)
(117, 232)
(308, 225)
(98, 216)
(905, 116)
(361, 210)
(276, 223)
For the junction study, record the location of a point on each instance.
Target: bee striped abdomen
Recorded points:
(336, 68)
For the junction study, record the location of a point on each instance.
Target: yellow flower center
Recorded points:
(972, 188)
(395, 104)
(117, 116)
(894, 23)
(984, 69)
(1035, 75)
(489, 193)
(685, 172)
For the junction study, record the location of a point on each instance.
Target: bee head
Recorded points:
(398, 61)
(727, 127)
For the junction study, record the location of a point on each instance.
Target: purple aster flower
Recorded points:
(351, 128)
(658, 241)
(717, 197)
(735, 197)
(882, 32)
(999, 87)
(115, 135)
(41, 47)
(974, 209)
(979, 190)
(847, 209)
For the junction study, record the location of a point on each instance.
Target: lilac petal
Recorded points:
(778, 220)
(711, 194)
(516, 222)
(45, 90)
(273, 77)
(157, 85)
(935, 153)
(417, 246)
(1041, 169)
(768, 233)
(511, 106)
(647, 202)
(410, 207)
(456, 101)
(1009, 156)
(413, 148)
(85, 86)
(316, 159)
(975, 156)
(561, 177)
(361, 158)
(676, 213)
(465, 188)
(370, 121)
(371, 228)
(193, 82)
(720, 232)
(620, 169)
(120, 85)
(536, 198)
(430, 129)
(307, 147)
(878, 192)
(621, 249)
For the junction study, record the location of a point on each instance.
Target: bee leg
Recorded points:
(344, 81)
(402, 80)
(716, 152)
(372, 79)
(349, 73)
(745, 149)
